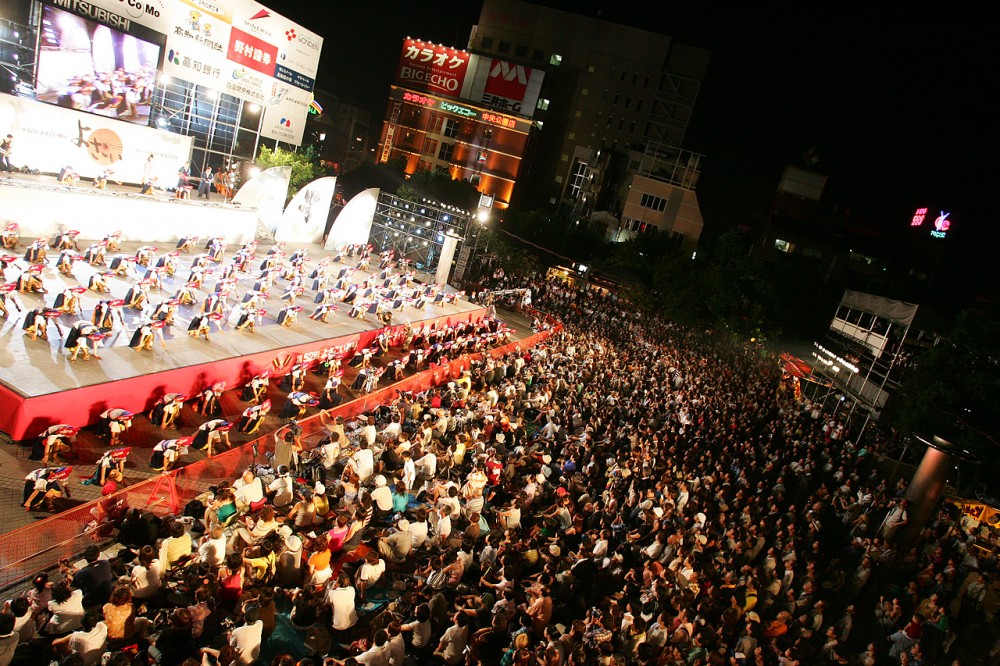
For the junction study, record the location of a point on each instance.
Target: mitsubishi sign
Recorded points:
(433, 68)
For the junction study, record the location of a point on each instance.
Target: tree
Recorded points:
(303, 163)
(951, 389)
(439, 186)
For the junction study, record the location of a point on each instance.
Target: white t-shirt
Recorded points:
(283, 487)
(66, 616)
(213, 551)
(246, 641)
(345, 615)
(146, 582)
(418, 531)
(421, 632)
(248, 493)
(455, 639)
(374, 656)
(90, 644)
(364, 463)
(370, 573)
(382, 497)
(330, 454)
(25, 627)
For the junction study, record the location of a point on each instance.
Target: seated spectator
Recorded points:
(88, 642)
(66, 607)
(397, 546)
(145, 576)
(9, 638)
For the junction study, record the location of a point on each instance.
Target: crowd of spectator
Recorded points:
(627, 492)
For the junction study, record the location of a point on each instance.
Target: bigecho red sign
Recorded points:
(432, 67)
(252, 52)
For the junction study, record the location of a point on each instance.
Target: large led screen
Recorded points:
(91, 67)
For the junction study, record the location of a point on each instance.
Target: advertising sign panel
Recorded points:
(92, 66)
(49, 138)
(504, 86)
(432, 67)
(285, 112)
(239, 47)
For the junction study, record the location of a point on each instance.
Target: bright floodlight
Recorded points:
(483, 215)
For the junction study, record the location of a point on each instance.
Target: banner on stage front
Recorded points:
(49, 138)
(304, 220)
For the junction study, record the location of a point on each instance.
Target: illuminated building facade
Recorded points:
(470, 142)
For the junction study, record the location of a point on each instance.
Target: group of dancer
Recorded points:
(210, 293)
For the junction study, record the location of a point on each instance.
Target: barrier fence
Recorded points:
(29, 550)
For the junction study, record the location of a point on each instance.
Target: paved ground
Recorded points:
(14, 462)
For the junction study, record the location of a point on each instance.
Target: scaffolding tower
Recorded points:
(861, 355)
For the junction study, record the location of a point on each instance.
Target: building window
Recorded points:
(578, 114)
(556, 59)
(520, 50)
(487, 42)
(591, 69)
(633, 165)
(571, 136)
(653, 202)
(503, 47)
(444, 154)
(538, 124)
(450, 128)
(623, 76)
(585, 91)
(538, 54)
(543, 104)
(559, 180)
(631, 127)
(621, 122)
(615, 100)
(635, 77)
(608, 124)
(638, 105)
(645, 83)
(628, 101)
(783, 245)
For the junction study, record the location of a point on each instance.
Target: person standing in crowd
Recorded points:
(206, 182)
(6, 149)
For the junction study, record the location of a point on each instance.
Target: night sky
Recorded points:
(894, 101)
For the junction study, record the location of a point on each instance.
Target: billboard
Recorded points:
(239, 47)
(493, 83)
(432, 67)
(49, 138)
(89, 66)
(934, 222)
(504, 86)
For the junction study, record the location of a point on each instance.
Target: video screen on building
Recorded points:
(91, 67)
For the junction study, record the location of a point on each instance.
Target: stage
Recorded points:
(41, 386)
(43, 207)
